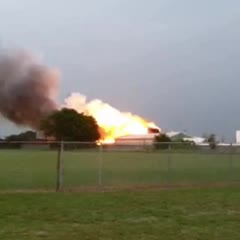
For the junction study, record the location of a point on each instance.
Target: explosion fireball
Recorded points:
(113, 123)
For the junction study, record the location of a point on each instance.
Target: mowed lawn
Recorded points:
(35, 169)
(190, 214)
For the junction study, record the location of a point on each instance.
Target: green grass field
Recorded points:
(191, 214)
(34, 169)
(144, 211)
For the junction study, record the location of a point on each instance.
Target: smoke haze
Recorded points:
(27, 88)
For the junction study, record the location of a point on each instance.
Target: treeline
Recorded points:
(62, 125)
(21, 137)
(14, 140)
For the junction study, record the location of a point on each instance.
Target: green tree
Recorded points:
(211, 139)
(69, 125)
(162, 141)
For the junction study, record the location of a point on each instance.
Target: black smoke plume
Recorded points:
(27, 88)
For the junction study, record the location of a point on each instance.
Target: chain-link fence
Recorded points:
(27, 165)
(74, 165)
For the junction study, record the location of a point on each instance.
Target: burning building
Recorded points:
(113, 123)
(28, 92)
(139, 139)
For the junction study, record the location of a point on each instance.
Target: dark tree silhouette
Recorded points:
(69, 125)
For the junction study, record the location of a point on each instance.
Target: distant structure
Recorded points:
(40, 136)
(143, 139)
(196, 140)
(177, 136)
(181, 136)
(238, 136)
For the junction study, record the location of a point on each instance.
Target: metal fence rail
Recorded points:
(75, 165)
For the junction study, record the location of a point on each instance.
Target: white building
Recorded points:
(178, 136)
(143, 139)
(238, 136)
(196, 140)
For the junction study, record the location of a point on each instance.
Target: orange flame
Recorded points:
(113, 123)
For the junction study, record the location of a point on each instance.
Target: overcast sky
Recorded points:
(173, 62)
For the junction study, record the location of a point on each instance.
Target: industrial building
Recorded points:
(139, 139)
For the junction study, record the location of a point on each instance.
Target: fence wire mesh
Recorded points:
(74, 165)
(26, 165)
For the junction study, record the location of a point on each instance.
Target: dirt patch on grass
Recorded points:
(131, 188)
(154, 187)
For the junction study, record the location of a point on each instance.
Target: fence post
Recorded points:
(231, 156)
(60, 168)
(100, 165)
(169, 163)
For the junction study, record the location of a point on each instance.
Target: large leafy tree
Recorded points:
(69, 125)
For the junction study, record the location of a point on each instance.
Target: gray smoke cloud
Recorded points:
(27, 88)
